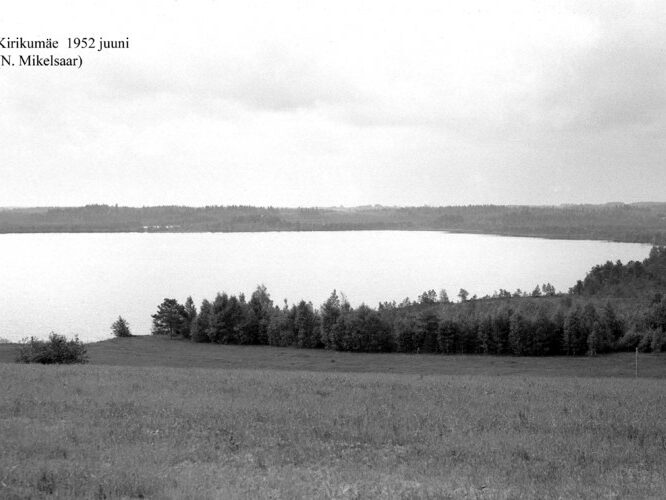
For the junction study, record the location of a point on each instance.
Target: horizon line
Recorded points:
(348, 207)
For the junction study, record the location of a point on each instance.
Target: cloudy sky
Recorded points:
(294, 103)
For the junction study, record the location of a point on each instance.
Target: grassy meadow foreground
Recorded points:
(294, 429)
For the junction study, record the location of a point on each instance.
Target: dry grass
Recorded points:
(144, 351)
(160, 432)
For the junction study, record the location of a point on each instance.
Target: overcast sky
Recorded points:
(338, 103)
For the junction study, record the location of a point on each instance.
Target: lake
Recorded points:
(80, 283)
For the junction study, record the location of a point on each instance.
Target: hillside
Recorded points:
(157, 351)
(646, 279)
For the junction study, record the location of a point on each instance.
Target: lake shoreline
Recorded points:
(506, 234)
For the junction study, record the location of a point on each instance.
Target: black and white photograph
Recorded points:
(309, 249)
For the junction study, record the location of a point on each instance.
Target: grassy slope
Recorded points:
(146, 351)
(174, 432)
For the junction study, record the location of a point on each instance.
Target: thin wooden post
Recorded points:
(637, 362)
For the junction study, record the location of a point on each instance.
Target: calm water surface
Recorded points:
(80, 283)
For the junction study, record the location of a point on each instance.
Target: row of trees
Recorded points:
(517, 326)
(616, 307)
(432, 297)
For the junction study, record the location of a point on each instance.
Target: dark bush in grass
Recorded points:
(56, 350)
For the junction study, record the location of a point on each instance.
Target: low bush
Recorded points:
(658, 340)
(56, 350)
(630, 340)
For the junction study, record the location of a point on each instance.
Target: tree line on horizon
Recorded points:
(587, 320)
(637, 222)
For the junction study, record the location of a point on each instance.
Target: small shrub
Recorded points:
(645, 345)
(120, 328)
(658, 343)
(56, 350)
(630, 340)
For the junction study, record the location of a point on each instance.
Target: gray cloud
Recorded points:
(270, 80)
(614, 80)
(619, 82)
(276, 81)
(518, 102)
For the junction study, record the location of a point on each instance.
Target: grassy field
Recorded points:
(187, 421)
(145, 351)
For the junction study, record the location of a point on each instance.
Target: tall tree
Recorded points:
(261, 306)
(190, 316)
(611, 323)
(519, 335)
(427, 327)
(428, 297)
(543, 333)
(573, 332)
(597, 341)
(448, 337)
(404, 333)
(485, 336)
(201, 324)
(228, 318)
(120, 328)
(306, 322)
(501, 329)
(330, 312)
(170, 318)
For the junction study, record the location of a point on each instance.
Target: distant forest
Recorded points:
(637, 222)
(616, 307)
